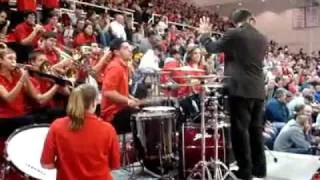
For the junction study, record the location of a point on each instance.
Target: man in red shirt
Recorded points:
(117, 104)
(48, 111)
(52, 25)
(28, 32)
(81, 146)
(49, 41)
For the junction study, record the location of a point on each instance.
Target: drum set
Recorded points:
(189, 133)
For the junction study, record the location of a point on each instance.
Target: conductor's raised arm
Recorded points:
(206, 40)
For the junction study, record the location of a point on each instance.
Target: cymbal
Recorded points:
(196, 77)
(185, 69)
(210, 76)
(214, 86)
(176, 85)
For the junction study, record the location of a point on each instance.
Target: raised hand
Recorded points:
(205, 26)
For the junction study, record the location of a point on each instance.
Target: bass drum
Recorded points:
(23, 152)
(191, 138)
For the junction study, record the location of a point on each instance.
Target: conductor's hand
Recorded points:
(205, 26)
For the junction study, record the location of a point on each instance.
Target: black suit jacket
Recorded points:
(244, 49)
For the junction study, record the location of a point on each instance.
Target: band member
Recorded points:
(98, 61)
(13, 113)
(28, 32)
(49, 41)
(16, 87)
(81, 146)
(46, 112)
(116, 101)
(245, 49)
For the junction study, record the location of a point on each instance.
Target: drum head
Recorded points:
(145, 116)
(24, 148)
(159, 108)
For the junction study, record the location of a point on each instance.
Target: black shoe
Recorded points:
(240, 176)
(259, 174)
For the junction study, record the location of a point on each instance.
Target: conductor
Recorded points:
(245, 48)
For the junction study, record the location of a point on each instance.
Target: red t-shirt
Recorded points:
(187, 90)
(17, 107)
(167, 73)
(88, 153)
(94, 59)
(23, 30)
(27, 5)
(52, 56)
(50, 4)
(116, 79)
(83, 39)
(48, 27)
(42, 85)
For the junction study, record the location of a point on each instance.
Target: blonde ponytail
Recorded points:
(79, 101)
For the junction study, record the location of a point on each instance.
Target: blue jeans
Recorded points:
(104, 38)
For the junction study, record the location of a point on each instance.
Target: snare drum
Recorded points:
(191, 145)
(153, 134)
(23, 152)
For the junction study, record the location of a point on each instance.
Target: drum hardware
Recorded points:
(221, 171)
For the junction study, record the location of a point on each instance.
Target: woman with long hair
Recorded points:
(81, 145)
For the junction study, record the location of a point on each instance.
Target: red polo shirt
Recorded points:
(50, 4)
(23, 30)
(17, 107)
(116, 78)
(88, 153)
(83, 39)
(27, 5)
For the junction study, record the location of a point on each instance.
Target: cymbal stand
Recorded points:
(221, 170)
(203, 163)
(216, 164)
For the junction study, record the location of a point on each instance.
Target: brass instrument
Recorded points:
(5, 28)
(45, 67)
(3, 46)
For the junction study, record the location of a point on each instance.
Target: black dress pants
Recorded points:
(246, 136)
(121, 121)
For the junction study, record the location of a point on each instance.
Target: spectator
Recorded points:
(118, 27)
(86, 37)
(293, 137)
